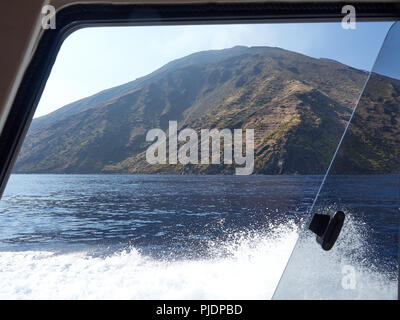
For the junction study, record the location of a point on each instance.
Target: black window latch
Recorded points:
(327, 228)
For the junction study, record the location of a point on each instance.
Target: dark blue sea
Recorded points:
(184, 237)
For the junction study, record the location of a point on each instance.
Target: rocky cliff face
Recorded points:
(298, 107)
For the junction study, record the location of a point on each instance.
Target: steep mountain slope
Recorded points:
(372, 144)
(297, 105)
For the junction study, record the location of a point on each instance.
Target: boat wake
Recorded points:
(247, 266)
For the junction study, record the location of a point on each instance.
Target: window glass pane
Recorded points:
(192, 172)
(363, 182)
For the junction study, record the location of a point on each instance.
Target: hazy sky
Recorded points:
(95, 59)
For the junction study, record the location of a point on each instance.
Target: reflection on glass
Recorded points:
(363, 182)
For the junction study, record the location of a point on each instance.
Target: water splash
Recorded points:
(246, 266)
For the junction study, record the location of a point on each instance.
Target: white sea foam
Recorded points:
(251, 270)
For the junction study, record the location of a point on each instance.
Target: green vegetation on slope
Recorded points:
(297, 105)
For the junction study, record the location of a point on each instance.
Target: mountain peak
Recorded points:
(279, 93)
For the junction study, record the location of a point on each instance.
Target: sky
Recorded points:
(98, 58)
(388, 63)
